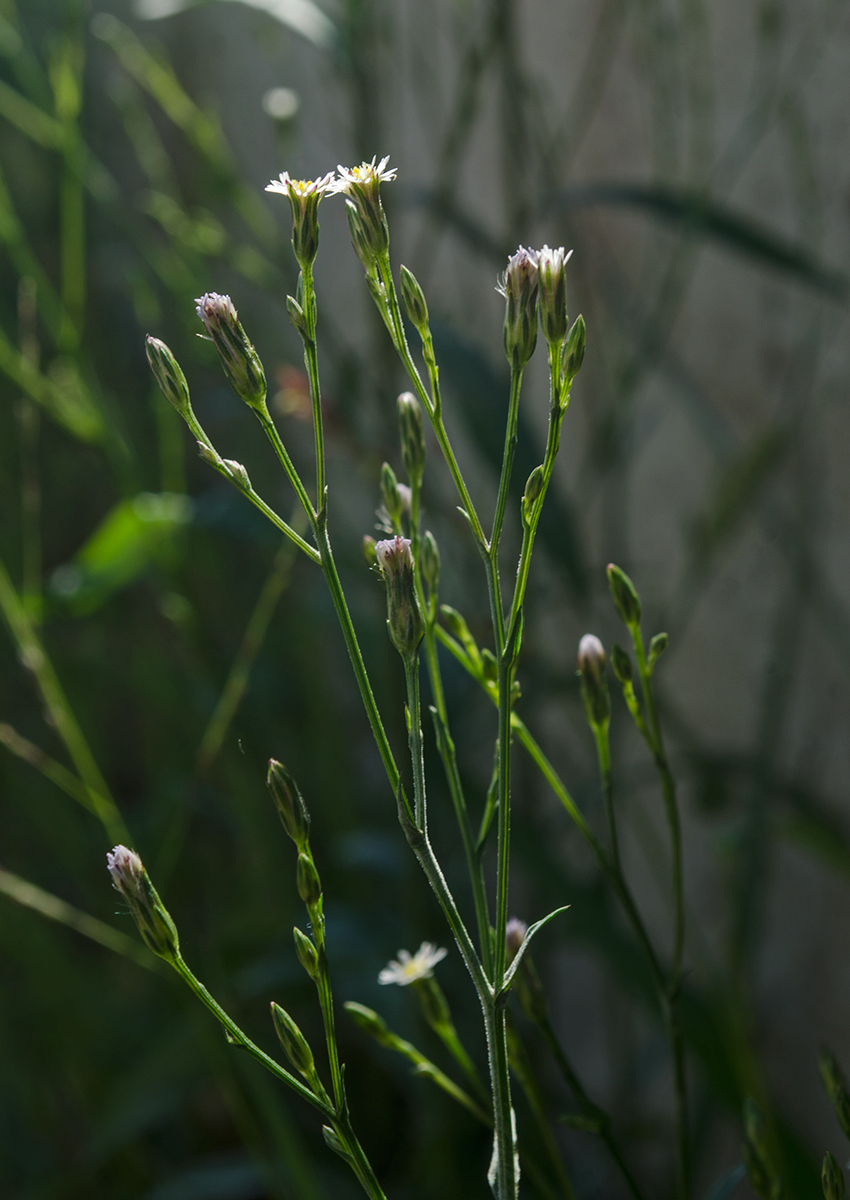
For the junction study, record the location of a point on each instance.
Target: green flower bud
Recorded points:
(238, 357)
(333, 1142)
(624, 595)
(412, 435)
(432, 1000)
(656, 648)
(362, 188)
(296, 316)
(369, 1021)
(391, 496)
(404, 618)
(572, 356)
(553, 293)
(831, 1178)
(208, 454)
(594, 689)
(518, 285)
(621, 664)
(306, 951)
(413, 299)
(238, 474)
(304, 196)
(130, 878)
(290, 806)
(430, 561)
(369, 550)
(533, 492)
(292, 1039)
(169, 377)
(307, 880)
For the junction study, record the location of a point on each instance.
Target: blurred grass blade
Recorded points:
(30, 896)
(51, 769)
(32, 654)
(39, 126)
(62, 393)
(713, 219)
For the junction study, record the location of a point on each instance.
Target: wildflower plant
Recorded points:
(496, 950)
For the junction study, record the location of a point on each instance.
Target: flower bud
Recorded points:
(359, 239)
(296, 316)
(572, 356)
(594, 689)
(621, 664)
(391, 496)
(292, 1039)
(167, 373)
(533, 492)
(290, 806)
(404, 618)
(412, 435)
(518, 285)
(238, 474)
(624, 595)
(369, 1021)
(831, 1178)
(362, 187)
(553, 293)
(430, 561)
(307, 880)
(208, 455)
(130, 878)
(515, 932)
(332, 1141)
(369, 550)
(306, 951)
(656, 648)
(413, 299)
(238, 357)
(304, 196)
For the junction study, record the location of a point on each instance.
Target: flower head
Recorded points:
(515, 932)
(238, 357)
(361, 187)
(518, 284)
(404, 617)
(408, 968)
(130, 878)
(553, 293)
(304, 196)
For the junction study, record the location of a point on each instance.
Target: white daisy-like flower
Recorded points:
(303, 196)
(408, 968)
(353, 180)
(300, 189)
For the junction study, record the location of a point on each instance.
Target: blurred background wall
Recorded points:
(694, 156)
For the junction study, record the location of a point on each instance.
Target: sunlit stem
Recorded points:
(311, 362)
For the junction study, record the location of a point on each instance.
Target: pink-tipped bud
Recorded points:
(130, 878)
(518, 285)
(552, 277)
(238, 357)
(594, 689)
(404, 618)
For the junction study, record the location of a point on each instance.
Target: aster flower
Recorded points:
(409, 968)
(238, 357)
(130, 878)
(304, 196)
(553, 293)
(404, 618)
(518, 284)
(361, 187)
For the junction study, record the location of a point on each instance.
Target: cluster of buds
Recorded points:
(594, 689)
(404, 617)
(238, 357)
(130, 878)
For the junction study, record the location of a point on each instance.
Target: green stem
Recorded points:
(241, 1039)
(311, 362)
(507, 459)
(524, 1074)
(264, 417)
(603, 754)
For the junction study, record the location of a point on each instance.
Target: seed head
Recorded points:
(238, 357)
(518, 284)
(304, 196)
